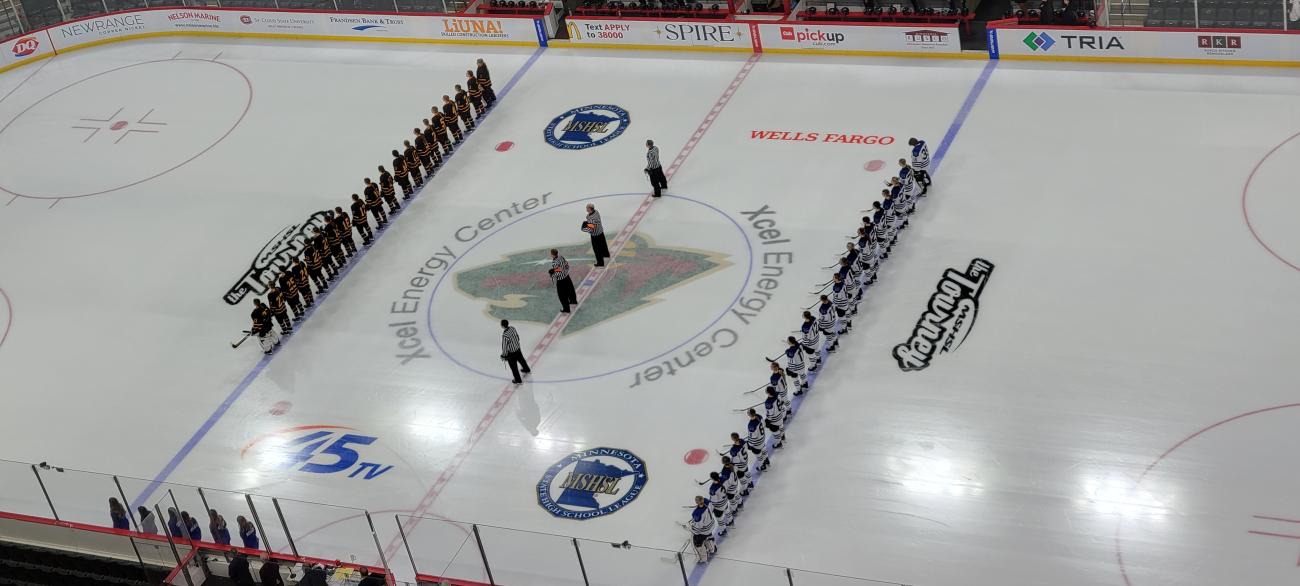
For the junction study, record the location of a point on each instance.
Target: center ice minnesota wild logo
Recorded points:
(517, 287)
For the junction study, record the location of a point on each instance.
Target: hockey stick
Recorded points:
(237, 344)
(703, 482)
(744, 409)
(819, 291)
(760, 387)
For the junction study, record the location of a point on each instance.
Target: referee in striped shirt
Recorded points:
(559, 272)
(652, 167)
(510, 351)
(596, 229)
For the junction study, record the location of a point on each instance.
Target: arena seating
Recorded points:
(1085, 12)
(653, 9)
(911, 11)
(525, 7)
(1253, 14)
(24, 565)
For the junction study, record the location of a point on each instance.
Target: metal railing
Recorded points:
(412, 549)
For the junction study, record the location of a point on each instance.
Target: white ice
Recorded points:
(1131, 306)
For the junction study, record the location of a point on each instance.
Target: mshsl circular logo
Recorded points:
(588, 126)
(592, 483)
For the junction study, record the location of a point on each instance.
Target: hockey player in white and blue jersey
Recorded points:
(911, 187)
(867, 259)
(777, 379)
(740, 460)
(898, 196)
(811, 338)
(794, 363)
(701, 527)
(731, 484)
(826, 322)
(921, 162)
(721, 504)
(888, 225)
(756, 438)
(774, 417)
(845, 303)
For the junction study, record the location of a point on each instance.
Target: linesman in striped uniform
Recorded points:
(559, 272)
(596, 229)
(654, 169)
(510, 351)
(921, 162)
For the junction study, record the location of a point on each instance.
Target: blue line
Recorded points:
(697, 573)
(252, 375)
(966, 106)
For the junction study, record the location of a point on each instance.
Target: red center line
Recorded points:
(1267, 518)
(557, 326)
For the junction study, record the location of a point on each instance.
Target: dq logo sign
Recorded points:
(25, 46)
(316, 449)
(592, 483)
(586, 127)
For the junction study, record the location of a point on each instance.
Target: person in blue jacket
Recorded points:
(118, 513)
(217, 526)
(247, 533)
(174, 523)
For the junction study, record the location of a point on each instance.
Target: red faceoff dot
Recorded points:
(280, 408)
(696, 456)
(506, 145)
(874, 166)
(120, 124)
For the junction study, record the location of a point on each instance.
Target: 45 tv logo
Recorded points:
(317, 449)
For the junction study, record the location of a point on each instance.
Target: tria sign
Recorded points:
(1045, 42)
(948, 319)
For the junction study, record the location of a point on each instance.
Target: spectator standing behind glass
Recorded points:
(1066, 18)
(217, 525)
(148, 524)
(191, 526)
(1045, 15)
(174, 523)
(270, 572)
(247, 533)
(118, 513)
(239, 572)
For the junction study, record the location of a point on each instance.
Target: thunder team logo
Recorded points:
(592, 483)
(586, 127)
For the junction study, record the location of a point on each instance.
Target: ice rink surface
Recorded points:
(1122, 412)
